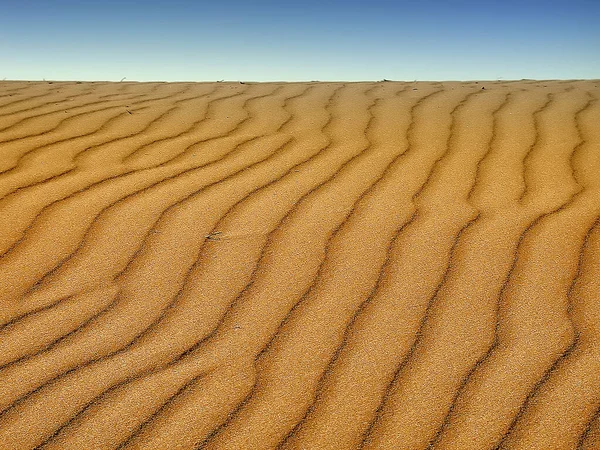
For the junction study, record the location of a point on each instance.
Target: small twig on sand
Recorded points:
(213, 235)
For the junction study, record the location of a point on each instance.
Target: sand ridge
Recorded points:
(300, 265)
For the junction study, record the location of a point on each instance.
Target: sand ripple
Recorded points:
(300, 265)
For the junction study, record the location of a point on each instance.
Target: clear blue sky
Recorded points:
(266, 40)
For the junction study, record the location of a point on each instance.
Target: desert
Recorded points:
(300, 265)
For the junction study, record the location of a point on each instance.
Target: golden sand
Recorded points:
(300, 265)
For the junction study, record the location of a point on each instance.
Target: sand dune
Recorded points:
(300, 265)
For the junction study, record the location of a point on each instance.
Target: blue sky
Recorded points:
(266, 40)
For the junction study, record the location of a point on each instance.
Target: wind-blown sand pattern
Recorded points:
(300, 265)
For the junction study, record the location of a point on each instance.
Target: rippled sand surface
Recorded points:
(300, 265)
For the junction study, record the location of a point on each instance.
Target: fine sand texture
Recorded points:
(334, 266)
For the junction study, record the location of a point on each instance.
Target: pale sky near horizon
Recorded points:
(267, 40)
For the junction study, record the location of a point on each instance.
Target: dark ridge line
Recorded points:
(33, 97)
(243, 107)
(132, 195)
(223, 157)
(53, 270)
(170, 110)
(390, 247)
(78, 153)
(122, 350)
(495, 343)
(231, 416)
(235, 148)
(140, 428)
(588, 429)
(194, 125)
(162, 116)
(121, 90)
(579, 271)
(122, 445)
(57, 112)
(182, 153)
(57, 341)
(15, 168)
(492, 140)
(69, 98)
(491, 144)
(180, 292)
(404, 362)
(582, 141)
(129, 196)
(44, 308)
(56, 176)
(102, 127)
(590, 423)
(127, 380)
(547, 374)
(234, 130)
(23, 88)
(268, 346)
(451, 134)
(536, 124)
(323, 378)
(549, 99)
(536, 387)
(293, 207)
(564, 356)
(90, 362)
(8, 95)
(367, 435)
(54, 90)
(244, 169)
(285, 320)
(20, 168)
(285, 105)
(498, 314)
(173, 107)
(350, 324)
(30, 313)
(75, 116)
